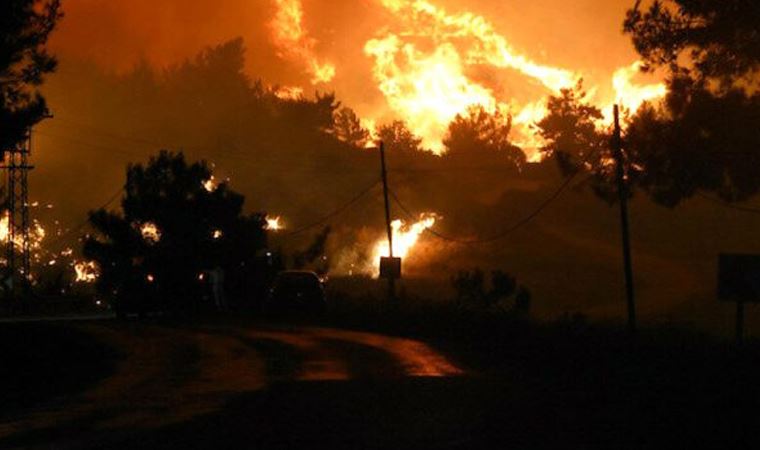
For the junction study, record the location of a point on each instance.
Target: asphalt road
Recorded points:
(259, 387)
(143, 385)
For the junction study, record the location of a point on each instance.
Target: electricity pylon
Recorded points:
(18, 244)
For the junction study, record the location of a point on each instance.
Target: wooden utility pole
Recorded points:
(740, 321)
(617, 149)
(389, 228)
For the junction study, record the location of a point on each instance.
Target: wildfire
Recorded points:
(150, 232)
(429, 85)
(86, 272)
(294, 41)
(629, 95)
(210, 185)
(36, 233)
(274, 223)
(289, 93)
(429, 88)
(405, 236)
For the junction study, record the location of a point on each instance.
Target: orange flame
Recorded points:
(428, 89)
(36, 233)
(630, 96)
(294, 42)
(405, 237)
(428, 85)
(274, 223)
(211, 184)
(86, 272)
(150, 232)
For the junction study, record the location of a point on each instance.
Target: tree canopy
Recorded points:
(348, 128)
(484, 136)
(398, 138)
(704, 135)
(708, 39)
(25, 26)
(174, 225)
(570, 131)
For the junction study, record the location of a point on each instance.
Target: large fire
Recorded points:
(423, 64)
(428, 88)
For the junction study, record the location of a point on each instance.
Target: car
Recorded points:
(296, 292)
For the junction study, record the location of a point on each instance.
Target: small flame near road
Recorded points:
(274, 223)
(150, 232)
(211, 184)
(86, 272)
(405, 238)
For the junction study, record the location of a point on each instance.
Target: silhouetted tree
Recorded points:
(348, 128)
(314, 256)
(572, 138)
(473, 289)
(398, 138)
(576, 143)
(707, 39)
(697, 141)
(702, 137)
(173, 227)
(484, 136)
(25, 26)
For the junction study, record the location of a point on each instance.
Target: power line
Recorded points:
(521, 223)
(258, 160)
(85, 222)
(226, 153)
(725, 204)
(501, 235)
(334, 213)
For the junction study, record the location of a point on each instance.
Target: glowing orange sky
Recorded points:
(582, 36)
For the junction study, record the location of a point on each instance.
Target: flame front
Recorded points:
(428, 88)
(631, 96)
(292, 39)
(424, 62)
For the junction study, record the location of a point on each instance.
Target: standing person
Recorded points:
(217, 288)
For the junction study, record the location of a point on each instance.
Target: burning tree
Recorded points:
(172, 229)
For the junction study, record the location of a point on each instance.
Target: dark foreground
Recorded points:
(246, 385)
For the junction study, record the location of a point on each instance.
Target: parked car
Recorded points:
(295, 292)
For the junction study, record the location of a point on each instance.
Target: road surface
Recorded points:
(257, 387)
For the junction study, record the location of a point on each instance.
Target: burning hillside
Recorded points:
(425, 63)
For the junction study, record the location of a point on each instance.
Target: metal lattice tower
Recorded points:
(18, 245)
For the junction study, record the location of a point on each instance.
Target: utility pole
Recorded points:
(617, 149)
(389, 228)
